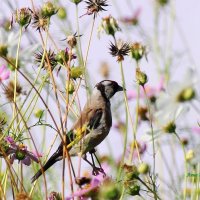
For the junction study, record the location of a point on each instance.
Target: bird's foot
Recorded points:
(97, 170)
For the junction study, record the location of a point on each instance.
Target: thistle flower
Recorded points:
(23, 17)
(137, 51)
(95, 6)
(50, 60)
(109, 25)
(9, 90)
(40, 21)
(119, 50)
(4, 73)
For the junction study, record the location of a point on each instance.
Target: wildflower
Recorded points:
(48, 9)
(137, 51)
(20, 152)
(119, 50)
(23, 17)
(178, 95)
(109, 25)
(95, 6)
(40, 22)
(49, 59)
(132, 20)
(4, 73)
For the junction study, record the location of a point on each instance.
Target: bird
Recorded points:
(91, 127)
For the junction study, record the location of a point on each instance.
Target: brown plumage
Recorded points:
(96, 117)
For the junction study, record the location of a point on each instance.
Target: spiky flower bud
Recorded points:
(71, 40)
(143, 168)
(109, 25)
(48, 9)
(23, 16)
(62, 14)
(137, 51)
(141, 77)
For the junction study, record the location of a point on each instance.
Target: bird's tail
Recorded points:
(53, 159)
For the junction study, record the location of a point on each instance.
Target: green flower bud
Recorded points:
(20, 155)
(62, 14)
(131, 172)
(137, 51)
(109, 25)
(39, 113)
(76, 1)
(186, 95)
(62, 56)
(133, 190)
(109, 191)
(23, 16)
(190, 155)
(3, 50)
(143, 168)
(76, 72)
(170, 127)
(48, 9)
(70, 87)
(141, 77)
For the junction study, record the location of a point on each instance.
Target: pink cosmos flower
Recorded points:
(4, 73)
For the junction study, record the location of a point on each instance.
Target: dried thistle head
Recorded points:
(95, 6)
(119, 50)
(49, 59)
(9, 90)
(40, 22)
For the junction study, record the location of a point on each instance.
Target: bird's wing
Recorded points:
(88, 121)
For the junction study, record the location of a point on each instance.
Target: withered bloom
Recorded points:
(23, 17)
(40, 21)
(50, 60)
(119, 50)
(9, 90)
(95, 6)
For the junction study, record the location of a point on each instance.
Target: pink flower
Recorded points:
(133, 20)
(4, 73)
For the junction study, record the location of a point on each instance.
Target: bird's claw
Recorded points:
(97, 170)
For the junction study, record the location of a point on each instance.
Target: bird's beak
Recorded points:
(120, 88)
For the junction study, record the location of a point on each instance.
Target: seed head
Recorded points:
(119, 50)
(95, 6)
(40, 21)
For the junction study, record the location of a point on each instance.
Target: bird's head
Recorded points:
(108, 88)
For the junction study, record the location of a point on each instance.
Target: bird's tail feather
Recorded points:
(53, 159)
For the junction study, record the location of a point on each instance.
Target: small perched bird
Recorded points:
(91, 128)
